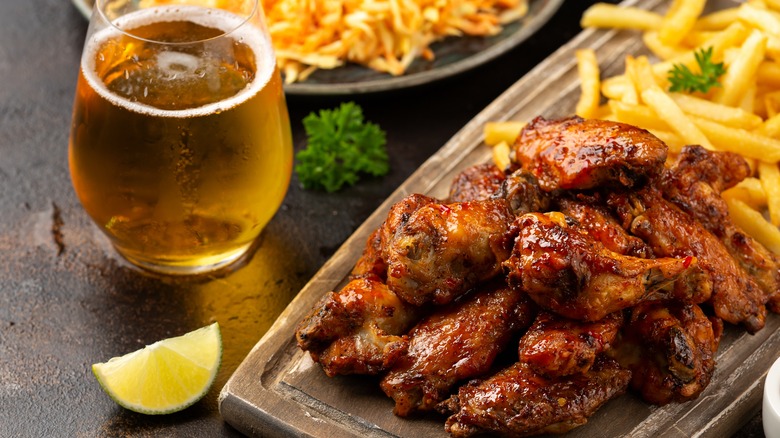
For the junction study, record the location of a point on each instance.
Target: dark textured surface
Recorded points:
(66, 301)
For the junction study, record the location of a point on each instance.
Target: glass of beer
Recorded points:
(180, 146)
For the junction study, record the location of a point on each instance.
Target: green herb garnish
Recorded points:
(683, 79)
(341, 147)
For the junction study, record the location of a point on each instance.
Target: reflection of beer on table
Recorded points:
(181, 155)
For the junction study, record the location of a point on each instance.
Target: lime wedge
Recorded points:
(166, 376)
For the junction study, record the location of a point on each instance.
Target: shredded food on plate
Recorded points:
(385, 35)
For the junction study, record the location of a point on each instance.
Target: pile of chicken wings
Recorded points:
(533, 295)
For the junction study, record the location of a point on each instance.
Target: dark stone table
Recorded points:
(67, 301)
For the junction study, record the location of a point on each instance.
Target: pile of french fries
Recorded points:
(740, 115)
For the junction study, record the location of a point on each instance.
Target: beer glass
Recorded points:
(180, 145)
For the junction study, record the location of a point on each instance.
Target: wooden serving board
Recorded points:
(279, 391)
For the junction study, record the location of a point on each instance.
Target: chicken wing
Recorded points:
(476, 183)
(372, 260)
(518, 402)
(555, 346)
(576, 153)
(568, 272)
(521, 190)
(357, 330)
(694, 184)
(457, 342)
(670, 348)
(443, 250)
(596, 220)
(670, 232)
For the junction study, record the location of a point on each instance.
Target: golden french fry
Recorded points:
(590, 83)
(734, 35)
(672, 140)
(753, 223)
(637, 115)
(746, 143)
(766, 20)
(750, 191)
(769, 175)
(736, 117)
(717, 20)
(617, 88)
(496, 132)
(768, 74)
(679, 20)
(742, 72)
(770, 127)
(501, 155)
(659, 48)
(772, 103)
(620, 17)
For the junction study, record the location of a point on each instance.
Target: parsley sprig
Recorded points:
(341, 146)
(683, 79)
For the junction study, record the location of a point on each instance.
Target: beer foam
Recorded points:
(228, 22)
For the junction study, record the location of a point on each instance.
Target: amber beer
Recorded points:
(180, 150)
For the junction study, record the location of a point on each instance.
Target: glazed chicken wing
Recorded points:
(518, 402)
(568, 272)
(357, 330)
(670, 232)
(372, 261)
(596, 221)
(670, 348)
(555, 346)
(521, 190)
(443, 250)
(455, 343)
(576, 153)
(694, 184)
(476, 183)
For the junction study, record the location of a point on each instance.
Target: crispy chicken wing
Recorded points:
(596, 220)
(555, 346)
(570, 273)
(357, 330)
(522, 192)
(670, 232)
(518, 402)
(476, 183)
(455, 343)
(575, 153)
(694, 184)
(670, 348)
(443, 250)
(372, 261)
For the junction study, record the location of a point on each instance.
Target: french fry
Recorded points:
(665, 107)
(753, 223)
(717, 20)
(679, 20)
(766, 20)
(659, 48)
(672, 140)
(769, 175)
(742, 72)
(736, 117)
(746, 143)
(590, 83)
(770, 127)
(637, 115)
(768, 74)
(617, 17)
(496, 132)
(501, 155)
(750, 191)
(772, 103)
